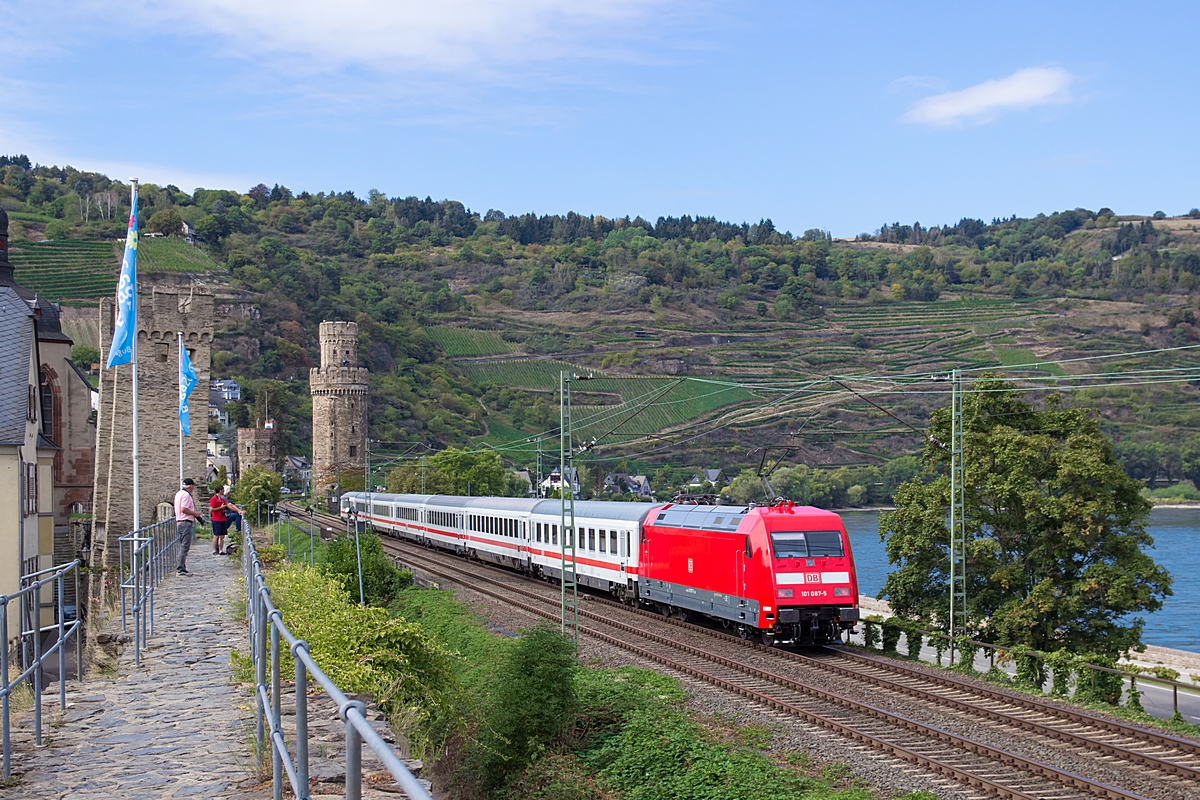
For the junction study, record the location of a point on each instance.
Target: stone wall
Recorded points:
(339, 393)
(161, 314)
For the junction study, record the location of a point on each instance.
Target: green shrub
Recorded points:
(363, 650)
(892, 628)
(940, 645)
(1031, 672)
(1133, 698)
(871, 631)
(966, 655)
(533, 702)
(1096, 686)
(382, 580)
(1062, 666)
(915, 639)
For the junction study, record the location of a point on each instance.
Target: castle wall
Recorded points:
(339, 393)
(161, 314)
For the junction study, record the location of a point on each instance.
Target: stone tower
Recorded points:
(339, 398)
(256, 447)
(161, 314)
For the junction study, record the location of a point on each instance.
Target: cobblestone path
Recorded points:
(174, 727)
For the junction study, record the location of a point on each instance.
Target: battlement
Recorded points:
(165, 312)
(339, 344)
(338, 378)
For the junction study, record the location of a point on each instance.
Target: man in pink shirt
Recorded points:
(185, 522)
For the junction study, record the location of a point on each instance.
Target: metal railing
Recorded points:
(1005, 654)
(146, 555)
(266, 628)
(29, 645)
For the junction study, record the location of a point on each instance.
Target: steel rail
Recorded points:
(1028, 703)
(936, 734)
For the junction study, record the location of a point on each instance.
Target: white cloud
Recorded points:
(983, 102)
(402, 35)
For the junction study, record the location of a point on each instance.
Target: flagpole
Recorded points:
(137, 497)
(181, 395)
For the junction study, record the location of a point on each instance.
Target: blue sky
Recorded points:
(839, 116)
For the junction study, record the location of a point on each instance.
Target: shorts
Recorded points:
(220, 527)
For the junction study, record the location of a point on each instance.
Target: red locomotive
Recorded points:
(783, 572)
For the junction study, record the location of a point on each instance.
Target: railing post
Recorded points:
(121, 583)
(62, 647)
(37, 665)
(353, 752)
(260, 668)
(301, 715)
(4, 710)
(78, 629)
(276, 715)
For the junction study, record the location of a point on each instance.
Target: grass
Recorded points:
(77, 269)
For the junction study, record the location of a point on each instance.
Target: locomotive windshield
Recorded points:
(807, 544)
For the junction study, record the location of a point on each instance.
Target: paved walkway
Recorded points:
(174, 727)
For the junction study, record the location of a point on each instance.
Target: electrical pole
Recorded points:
(958, 508)
(570, 599)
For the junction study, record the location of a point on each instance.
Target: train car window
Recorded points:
(591, 540)
(788, 544)
(628, 551)
(554, 530)
(603, 536)
(612, 542)
(825, 543)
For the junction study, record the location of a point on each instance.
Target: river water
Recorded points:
(1176, 533)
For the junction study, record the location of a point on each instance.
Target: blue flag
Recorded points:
(121, 351)
(187, 382)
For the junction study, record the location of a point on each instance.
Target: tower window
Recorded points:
(353, 451)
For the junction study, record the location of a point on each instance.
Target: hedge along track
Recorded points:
(1118, 740)
(971, 763)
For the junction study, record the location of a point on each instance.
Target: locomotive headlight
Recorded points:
(784, 593)
(842, 592)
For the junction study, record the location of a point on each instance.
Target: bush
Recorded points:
(871, 631)
(382, 580)
(256, 485)
(362, 650)
(1095, 686)
(892, 628)
(1062, 666)
(1031, 672)
(58, 230)
(966, 655)
(534, 700)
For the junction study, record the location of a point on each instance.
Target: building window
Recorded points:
(353, 451)
(32, 404)
(47, 407)
(31, 487)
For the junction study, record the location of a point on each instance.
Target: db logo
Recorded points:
(689, 565)
(812, 577)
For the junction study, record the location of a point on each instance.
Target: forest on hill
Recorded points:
(453, 305)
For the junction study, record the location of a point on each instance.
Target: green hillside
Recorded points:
(466, 320)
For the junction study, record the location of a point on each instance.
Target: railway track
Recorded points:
(991, 769)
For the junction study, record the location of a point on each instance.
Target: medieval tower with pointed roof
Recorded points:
(339, 407)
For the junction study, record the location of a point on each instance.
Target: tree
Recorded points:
(1055, 529)
(167, 222)
(452, 471)
(84, 356)
(382, 581)
(256, 485)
